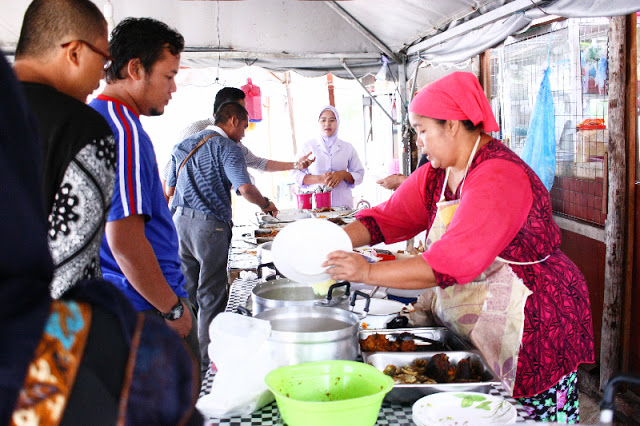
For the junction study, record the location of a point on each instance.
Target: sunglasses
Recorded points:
(108, 60)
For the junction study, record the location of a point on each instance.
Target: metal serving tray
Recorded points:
(264, 235)
(409, 393)
(450, 341)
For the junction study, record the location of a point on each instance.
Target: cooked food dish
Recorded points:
(324, 209)
(379, 343)
(437, 370)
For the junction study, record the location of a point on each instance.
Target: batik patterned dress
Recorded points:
(505, 211)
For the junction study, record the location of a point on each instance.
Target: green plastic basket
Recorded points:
(332, 393)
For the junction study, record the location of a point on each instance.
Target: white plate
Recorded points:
(301, 248)
(285, 216)
(460, 408)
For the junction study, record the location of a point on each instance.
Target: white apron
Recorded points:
(489, 311)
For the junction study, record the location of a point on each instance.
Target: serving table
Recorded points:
(390, 414)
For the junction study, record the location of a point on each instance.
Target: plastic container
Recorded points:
(304, 201)
(336, 393)
(404, 295)
(323, 199)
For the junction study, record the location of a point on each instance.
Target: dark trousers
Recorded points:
(192, 338)
(204, 250)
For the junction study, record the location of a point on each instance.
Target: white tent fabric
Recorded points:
(465, 46)
(586, 8)
(316, 37)
(475, 42)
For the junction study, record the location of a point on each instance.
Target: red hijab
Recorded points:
(457, 96)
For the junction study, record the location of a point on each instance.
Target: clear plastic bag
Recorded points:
(240, 351)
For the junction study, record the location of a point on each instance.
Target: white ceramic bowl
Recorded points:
(381, 311)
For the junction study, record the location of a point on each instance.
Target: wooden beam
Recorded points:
(287, 81)
(332, 99)
(485, 73)
(631, 135)
(616, 223)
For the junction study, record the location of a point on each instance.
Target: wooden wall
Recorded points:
(589, 256)
(634, 352)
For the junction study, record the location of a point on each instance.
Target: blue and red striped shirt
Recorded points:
(138, 191)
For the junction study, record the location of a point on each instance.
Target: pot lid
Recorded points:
(288, 290)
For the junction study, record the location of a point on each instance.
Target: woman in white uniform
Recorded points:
(336, 162)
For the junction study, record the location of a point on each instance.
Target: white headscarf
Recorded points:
(330, 140)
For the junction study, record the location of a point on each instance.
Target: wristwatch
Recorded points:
(268, 201)
(296, 166)
(175, 312)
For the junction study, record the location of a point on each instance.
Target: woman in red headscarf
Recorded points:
(492, 251)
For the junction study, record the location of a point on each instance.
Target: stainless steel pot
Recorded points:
(311, 333)
(285, 292)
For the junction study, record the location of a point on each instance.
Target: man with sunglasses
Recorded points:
(61, 56)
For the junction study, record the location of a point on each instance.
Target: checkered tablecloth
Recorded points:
(390, 414)
(239, 293)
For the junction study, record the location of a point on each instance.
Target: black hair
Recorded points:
(468, 124)
(49, 23)
(142, 38)
(228, 110)
(227, 94)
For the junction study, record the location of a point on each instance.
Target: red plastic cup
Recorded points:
(304, 201)
(323, 199)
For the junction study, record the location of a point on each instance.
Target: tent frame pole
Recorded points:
(368, 92)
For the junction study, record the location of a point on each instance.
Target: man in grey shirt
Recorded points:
(232, 94)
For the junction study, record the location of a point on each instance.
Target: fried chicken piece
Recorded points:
(379, 343)
(374, 343)
(465, 372)
(408, 346)
(440, 369)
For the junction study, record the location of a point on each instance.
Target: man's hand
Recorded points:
(392, 182)
(304, 161)
(272, 209)
(182, 325)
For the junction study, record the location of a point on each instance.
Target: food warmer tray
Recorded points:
(409, 393)
(440, 334)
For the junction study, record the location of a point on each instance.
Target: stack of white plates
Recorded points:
(463, 408)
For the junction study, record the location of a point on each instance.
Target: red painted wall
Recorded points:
(589, 256)
(634, 355)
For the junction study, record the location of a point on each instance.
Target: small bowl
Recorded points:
(381, 311)
(336, 393)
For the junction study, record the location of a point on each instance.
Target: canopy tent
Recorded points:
(316, 37)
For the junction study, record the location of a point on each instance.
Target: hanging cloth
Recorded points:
(253, 101)
(489, 311)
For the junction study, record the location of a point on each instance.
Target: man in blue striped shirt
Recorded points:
(204, 168)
